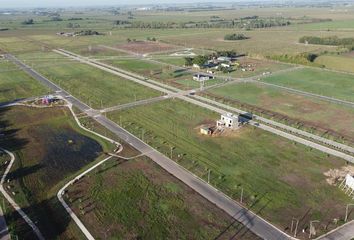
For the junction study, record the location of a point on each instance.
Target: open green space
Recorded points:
(16, 84)
(337, 62)
(94, 86)
(179, 78)
(323, 82)
(137, 199)
(274, 172)
(305, 110)
(50, 148)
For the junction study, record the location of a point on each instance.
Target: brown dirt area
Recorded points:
(144, 47)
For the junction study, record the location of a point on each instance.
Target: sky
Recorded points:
(63, 3)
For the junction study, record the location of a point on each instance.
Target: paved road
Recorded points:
(12, 202)
(345, 232)
(255, 223)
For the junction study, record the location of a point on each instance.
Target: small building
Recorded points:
(202, 77)
(196, 66)
(206, 130)
(226, 65)
(228, 120)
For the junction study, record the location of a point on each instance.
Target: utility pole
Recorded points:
(209, 171)
(171, 152)
(241, 197)
(346, 211)
(142, 134)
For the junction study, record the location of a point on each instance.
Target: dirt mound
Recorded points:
(335, 176)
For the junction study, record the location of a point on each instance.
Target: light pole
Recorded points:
(346, 211)
(209, 171)
(171, 152)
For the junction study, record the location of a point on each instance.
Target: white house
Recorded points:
(224, 59)
(202, 77)
(228, 120)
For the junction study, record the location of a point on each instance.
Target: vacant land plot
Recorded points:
(95, 51)
(15, 84)
(137, 199)
(274, 172)
(337, 62)
(95, 87)
(321, 82)
(49, 148)
(180, 78)
(144, 47)
(299, 109)
(254, 67)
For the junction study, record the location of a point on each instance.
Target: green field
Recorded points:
(138, 199)
(321, 82)
(16, 84)
(309, 111)
(181, 79)
(249, 158)
(95, 87)
(49, 149)
(337, 62)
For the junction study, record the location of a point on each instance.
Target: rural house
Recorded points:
(202, 77)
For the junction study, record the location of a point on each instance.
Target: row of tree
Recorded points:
(332, 40)
(249, 23)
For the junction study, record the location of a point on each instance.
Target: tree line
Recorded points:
(332, 40)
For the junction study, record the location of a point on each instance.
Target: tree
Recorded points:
(188, 61)
(129, 40)
(28, 22)
(200, 60)
(235, 37)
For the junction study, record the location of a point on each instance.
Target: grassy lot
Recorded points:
(49, 149)
(165, 74)
(93, 86)
(137, 199)
(274, 172)
(178, 61)
(321, 82)
(304, 109)
(337, 62)
(15, 84)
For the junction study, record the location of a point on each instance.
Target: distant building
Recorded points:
(224, 59)
(202, 77)
(228, 120)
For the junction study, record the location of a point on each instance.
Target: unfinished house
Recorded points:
(228, 120)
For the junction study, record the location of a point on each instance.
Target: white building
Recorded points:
(224, 59)
(349, 182)
(202, 77)
(228, 121)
